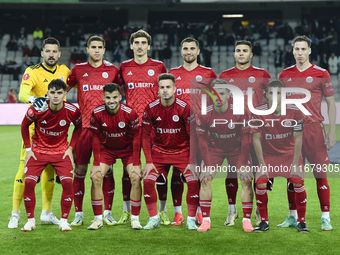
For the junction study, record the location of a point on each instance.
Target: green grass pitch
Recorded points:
(47, 239)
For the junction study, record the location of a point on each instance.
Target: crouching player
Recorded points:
(172, 124)
(50, 146)
(279, 154)
(115, 130)
(224, 135)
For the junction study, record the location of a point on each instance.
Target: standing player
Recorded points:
(219, 140)
(317, 80)
(50, 146)
(169, 118)
(33, 87)
(187, 76)
(140, 77)
(115, 129)
(90, 78)
(279, 148)
(243, 76)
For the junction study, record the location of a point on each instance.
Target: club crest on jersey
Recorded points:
(251, 79)
(288, 123)
(159, 131)
(175, 118)
(231, 126)
(121, 124)
(199, 78)
(105, 75)
(151, 72)
(30, 113)
(309, 79)
(26, 77)
(62, 78)
(86, 87)
(198, 122)
(131, 85)
(179, 92)
(62, 123)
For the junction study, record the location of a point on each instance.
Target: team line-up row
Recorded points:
(114, 130)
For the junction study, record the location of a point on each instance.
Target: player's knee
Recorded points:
(206, 182)
(66, 183)
(81, 169)
(261, 182)
(97, 179)
(30, 184)
(149, 181)
(135, 179)
(296, 181)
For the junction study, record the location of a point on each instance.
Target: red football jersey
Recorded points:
(50, 134)
(277, 132)
(171, 128)
(222, 131)
(317, 80)
(141, 82)
(185, 80)
(116, 131)
(254, 77)
(90, 82)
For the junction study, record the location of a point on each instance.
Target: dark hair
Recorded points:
(244, 42)
(302, 38)
(140, 33)
(166, 76)
(50, 40)
(275, 84)
(57, 84)
(111, 87)
(190, 39)
(95, 38)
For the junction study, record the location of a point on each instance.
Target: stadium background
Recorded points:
(265, 20)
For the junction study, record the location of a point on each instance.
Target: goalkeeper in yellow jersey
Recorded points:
(33, 90)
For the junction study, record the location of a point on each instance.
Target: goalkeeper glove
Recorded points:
(39, 103)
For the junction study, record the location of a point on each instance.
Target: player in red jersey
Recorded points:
(317, 80)
(90, 78)
(115, 129)
(244, 76)
(140, 78)
(279, 153)
(50, 146)
(187, 77)
(169, 118)
(220, 138)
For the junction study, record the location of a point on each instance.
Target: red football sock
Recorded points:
(247, 209)
(66, 197)
(150, 195)
(97, 206)
(323, 193)
(79, 190)
(177, 187)
(108, 190)
(126, 185)
(29, 197)
(231, 184)
(205, 207)
(262, 202)
(192, 195)
(291, 196)
(301, 202)
(135, 207)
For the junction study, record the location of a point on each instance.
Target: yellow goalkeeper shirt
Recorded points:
(36, 79)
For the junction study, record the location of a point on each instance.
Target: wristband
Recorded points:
(28, 149)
